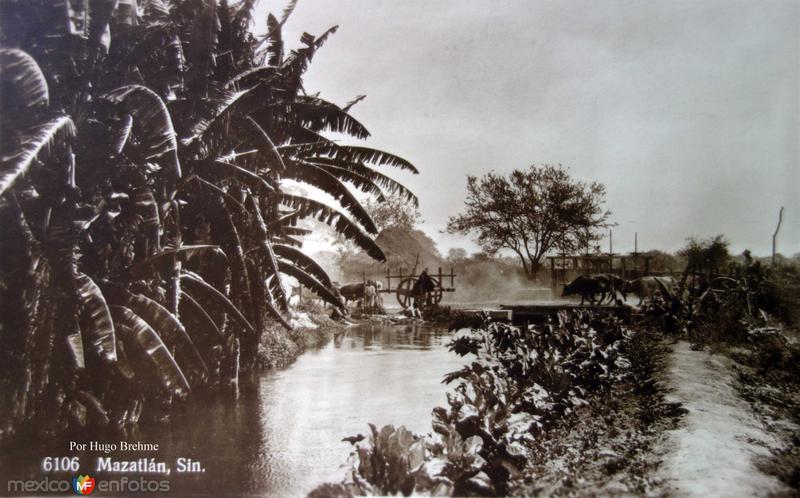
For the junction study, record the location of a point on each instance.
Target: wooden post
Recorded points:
(775, 235)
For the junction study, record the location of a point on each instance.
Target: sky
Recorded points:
(687, 111)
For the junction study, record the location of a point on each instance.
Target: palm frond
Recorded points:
(260, 286)
(289, 241)
(155, 358)
(30, 143)
(172, 332)
(353, 102)
(296, 134)
(296, 231)
(321, 179)
(345, 170)
(252, 77)
(23, 83)
(188, 303)
(275, 287)
(196, 284)
(152, 123)
(147, 207)
(304, 262)
(287, 11)
(97, 328)
(350, 153)
(306, 208)
(296, 64)
(359, 181)
(260, 139)
(274, 41)
(166, 256)
(310, 282)
(93, 406)
(222, 167)
(319, 115)
(215, 189)
(218, 112)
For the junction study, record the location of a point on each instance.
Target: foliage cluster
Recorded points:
(147, 229)
(706, 256)
(519, 383)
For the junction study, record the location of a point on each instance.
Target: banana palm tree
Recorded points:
(148, 231)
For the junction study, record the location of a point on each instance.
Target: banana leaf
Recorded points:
(312, 283)
(299, 259)
(196, 284)
(140, 337)
(97, 328)
(173, 333)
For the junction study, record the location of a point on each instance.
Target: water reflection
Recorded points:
(371, 373)
(378, 336)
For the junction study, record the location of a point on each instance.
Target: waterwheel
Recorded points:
(405, 294)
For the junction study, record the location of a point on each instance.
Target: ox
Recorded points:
(368, 292)
(604, 284)
(586, 287)
(352, 292)
(646, 286)
(610, 285)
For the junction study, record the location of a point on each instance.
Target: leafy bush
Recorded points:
(520, 381)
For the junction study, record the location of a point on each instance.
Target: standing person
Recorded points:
(423, 287)
(378, 297)
(369, 295)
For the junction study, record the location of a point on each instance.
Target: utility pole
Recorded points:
(775, 235)
(636, 242)
(610, 242)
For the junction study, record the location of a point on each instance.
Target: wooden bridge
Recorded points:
(538, 313)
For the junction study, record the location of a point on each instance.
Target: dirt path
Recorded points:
(714, 450)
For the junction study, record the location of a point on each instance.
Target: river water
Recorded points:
(282, 437)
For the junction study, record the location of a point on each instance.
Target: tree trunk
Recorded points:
(535, 268)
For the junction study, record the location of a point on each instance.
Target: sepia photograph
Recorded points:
(338, 248)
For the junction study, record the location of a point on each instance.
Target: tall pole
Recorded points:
(610, 242)
(775, 235)
(635, 242)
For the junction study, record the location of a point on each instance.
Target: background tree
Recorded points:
(531, 213)
(399, 238)
(456, 255)
(393, 211)
(706, 256)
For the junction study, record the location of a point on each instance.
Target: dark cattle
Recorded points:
(610, 286)
(586, 287)
(645, 286)
(352, 292)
